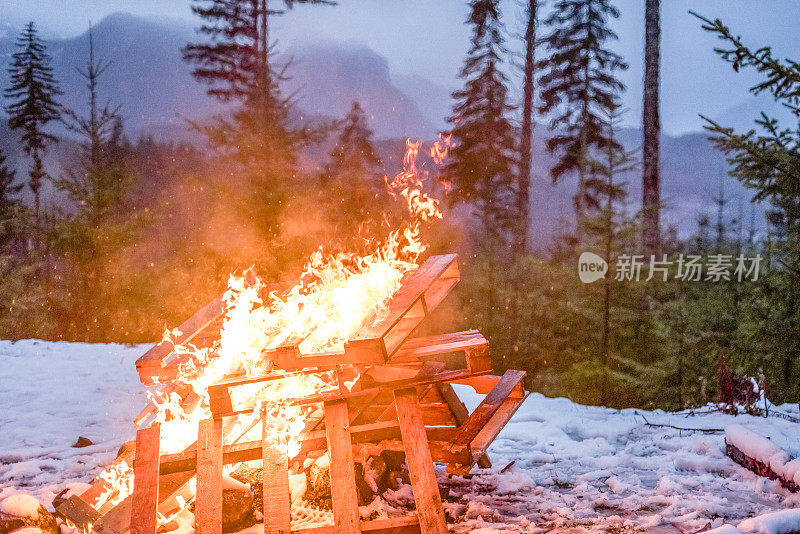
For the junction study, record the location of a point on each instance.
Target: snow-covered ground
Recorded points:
(576, 467)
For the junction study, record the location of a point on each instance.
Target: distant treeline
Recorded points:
(153, 229)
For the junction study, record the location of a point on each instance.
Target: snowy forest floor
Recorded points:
(577, 468)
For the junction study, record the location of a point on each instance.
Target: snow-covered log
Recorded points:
(762, 456)
(780, 522)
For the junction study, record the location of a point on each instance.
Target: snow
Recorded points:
(576, 467)
(781, 522)
(51, 393)
(20, 505)
(774, 523)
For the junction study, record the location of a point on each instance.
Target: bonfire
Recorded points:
(325, 388)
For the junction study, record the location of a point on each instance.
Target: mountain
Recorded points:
(154, 86)
(148, 78)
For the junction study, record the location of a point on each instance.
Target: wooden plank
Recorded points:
(510, 381)
(144, 502)
(490, 431)
(153, 360)
(432, 414)
(275, 496)
(406, 308)
(117, 520)
(75, 510)
(342, 469)
(393, 525)
(448, 376)
(208, 503)
(420, 463)
(461, 414)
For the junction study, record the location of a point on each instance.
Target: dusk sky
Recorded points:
(428, 38)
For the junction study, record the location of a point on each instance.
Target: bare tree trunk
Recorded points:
(651, 126)
(523, 195)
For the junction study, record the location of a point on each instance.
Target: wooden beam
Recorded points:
(144, 503)
(208, 502)
(275, 478)
(511, 380)
(461, 414)
(346, 518)
(393, 525)
(420, 292)
(76, 511)
(420, 463)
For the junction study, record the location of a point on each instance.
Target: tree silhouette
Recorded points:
(32, 102)
(579, 87)
(481, 166)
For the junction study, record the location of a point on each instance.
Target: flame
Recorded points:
(119, 484)
(339, 293)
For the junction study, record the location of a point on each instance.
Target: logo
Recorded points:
(591, 267)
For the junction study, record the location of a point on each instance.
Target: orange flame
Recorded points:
(341, 293)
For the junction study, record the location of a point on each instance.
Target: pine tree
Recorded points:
(236, 64)
(9, 204)
(651, 128)
(352, 180)
(607, 229)
(768, 162)
(526, 133)
(579, 86)
(481, 166)
(32, 102)
(98, 183)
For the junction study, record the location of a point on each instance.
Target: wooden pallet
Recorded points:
(402, 401)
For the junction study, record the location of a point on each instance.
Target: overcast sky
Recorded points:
(428, 38)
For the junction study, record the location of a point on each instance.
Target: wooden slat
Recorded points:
(432, 414)
(449, 376)
(393, 525)
(276, 504)
(342, 469)
(490, 431)
(420, 463)
(417, 348)
(461, 414)
(511, 380)
(153, 360)
(406, 308)
(144, 503)
(208, 503)
(77, 512)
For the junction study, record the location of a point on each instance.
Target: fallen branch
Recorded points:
(703, 430)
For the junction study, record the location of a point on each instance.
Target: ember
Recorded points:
(332, 364)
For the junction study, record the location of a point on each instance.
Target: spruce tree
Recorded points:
(99, 181)
(352, 180)
(236, 62)
(481, 167)
(32, 102)
(9, 204)
(580, 88)
(768, 162)
(608, 229)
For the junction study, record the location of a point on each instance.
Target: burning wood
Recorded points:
(329, 366)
